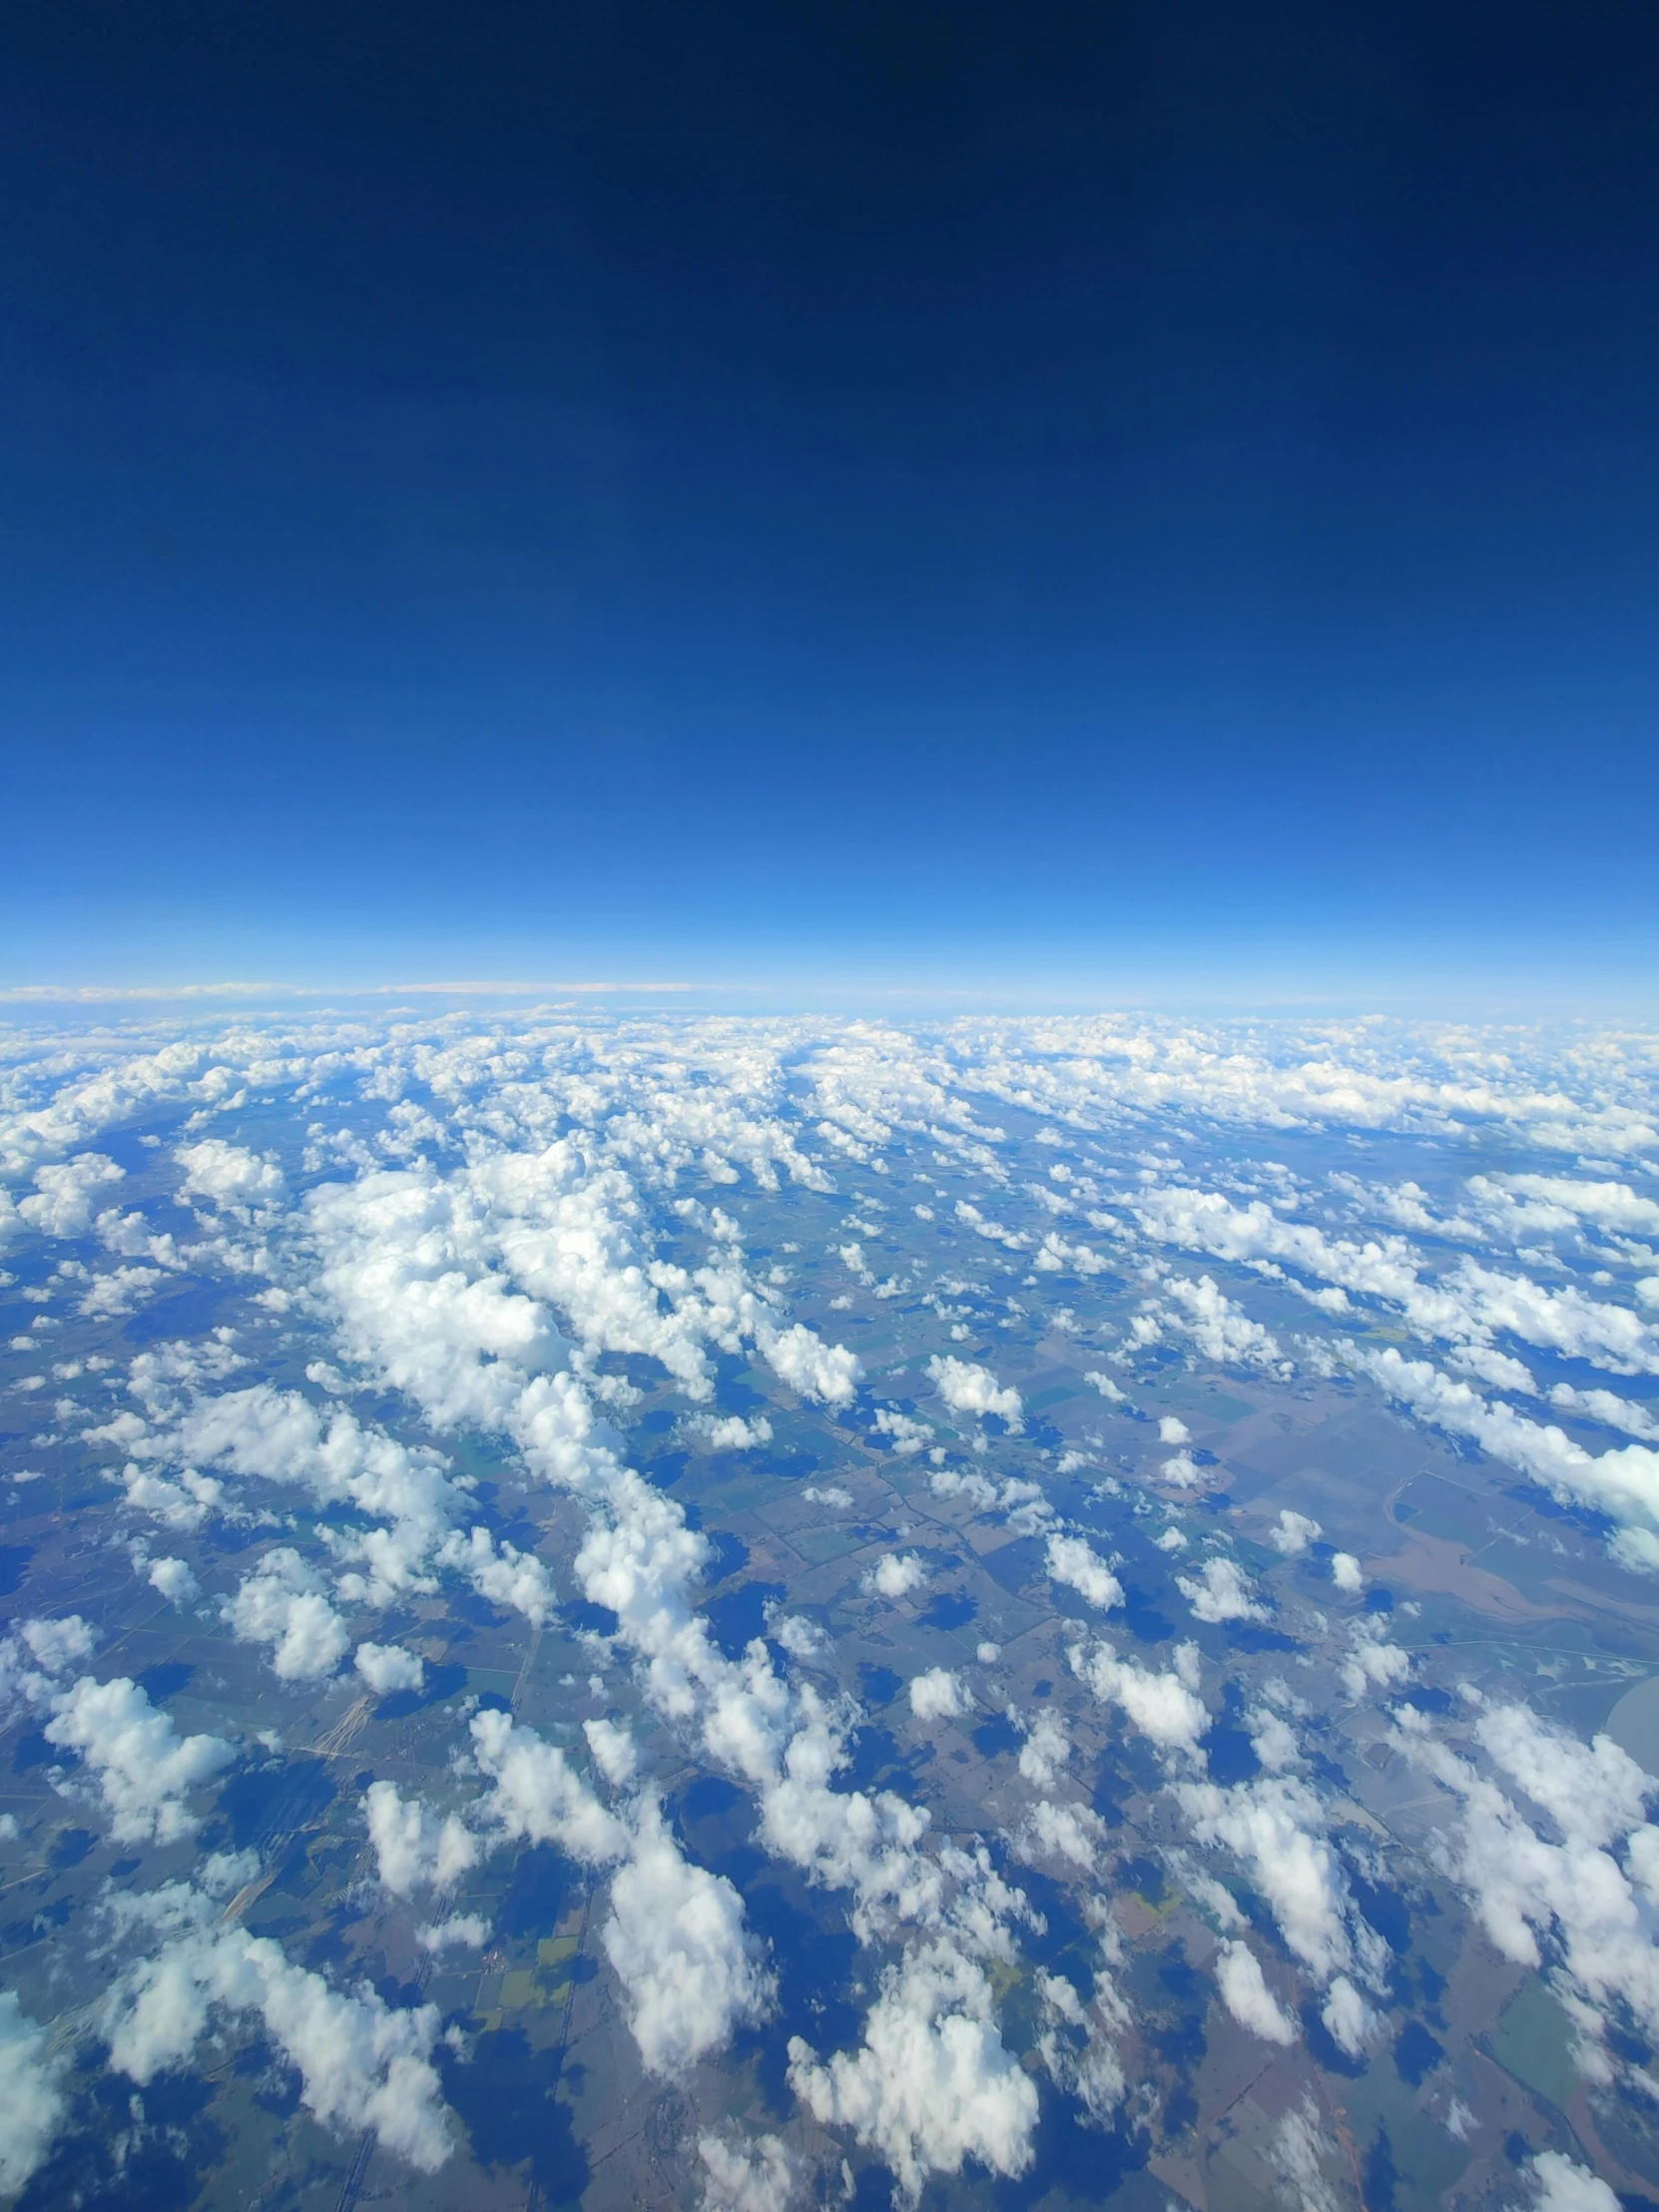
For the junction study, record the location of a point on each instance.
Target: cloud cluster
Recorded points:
(932, 2086)
(1165, 1706)
(34, 1656)
(413, 1850)
(938, 1695)
(1076, 2040)
(967, 1387)
(142, 1768)
(1468, 1307)
(1247, 1996)
(1218, 1326)
(1623, 1483)
(33, 2103)
(676, 1936)
(1588, 1889)
(387, 1667)
(64, 1194)
(500, 1295)
(754, 2177)
(284, 1604)
(1073, 1561)
(689, 1968)
(1220, 1592)
(228, 1175)
(895, 1574)
(1275, 1826)
(362, 2064)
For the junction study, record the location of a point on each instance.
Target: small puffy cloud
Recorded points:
(502, 1573)
(174, 1579)
(1292, 1533)
(282, 1604)
(938, 1695)
(1273, 1740)
(34, 1655)
(895, 1574)
(967, 1387)
(800, 1637)
(1347, 1572)
(932, 2084)
(1023, 1502)
(1275, 1825)
(1220, 1593)
(1304, 2157)
(729, 1432)
(1172, 1429)
(1072, 2045)
(413, 1849)
(143, 1768)
(908, 1437)
(614, 1751)
(1069, 1832)
(64, 1193)
(1248, 1998)
(995, 1232)
(1562, 2185)
(1044, 1751)
(118, 1291)
(538, 1796)
(1165, 1707)
(230, 1175)
(387, 1667)
(830, 1493)
(827, 1373)
(1075, 1564)
(1057, 1257)
(362, 2063)
(1373, 1662)
(33, 2103)
(1183, 1472)
(745, 2177)
(1349, 2020)
(689, 1968)
(463, 1929)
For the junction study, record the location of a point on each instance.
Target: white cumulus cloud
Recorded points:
(967, 1387)
(33, 2103)
(932, 2084)
(1247, 1996)
(895, 1574)
(282, 1604)
(1073, 1561)
(938, 1695)
(387, 1667)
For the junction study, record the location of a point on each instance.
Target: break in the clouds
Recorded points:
(986, 1561)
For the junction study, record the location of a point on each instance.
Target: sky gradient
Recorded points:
(1145, 498)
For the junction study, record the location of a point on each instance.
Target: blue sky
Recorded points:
(1154, 498)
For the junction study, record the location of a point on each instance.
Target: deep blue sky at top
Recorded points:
(858, 488)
